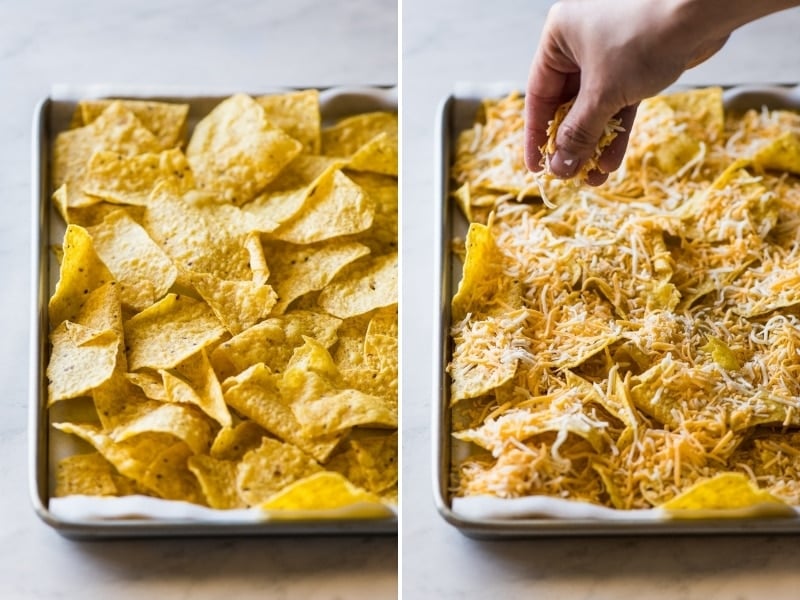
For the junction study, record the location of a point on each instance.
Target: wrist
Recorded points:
(722, 17)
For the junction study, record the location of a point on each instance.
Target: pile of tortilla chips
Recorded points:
(637, 344)
(224, 326)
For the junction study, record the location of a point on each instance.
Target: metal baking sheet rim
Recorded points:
(341, 101)
(737, 97)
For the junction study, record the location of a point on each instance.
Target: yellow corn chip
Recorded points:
(379, 155)
(121, 179)
(178, 420)
(81, 359)
(365, 285)
(319, 400)
(335, 206)
(269, 468)
(132, 457)
(200, 234)
(297, 270)
(235, 152)
(297, 113)
(88, 475)
(217, 479)
(320, 491)
(351, 133)
(781, 154)
(166, 120)
(255, 395)
(382, 190)
(273, 341)
(232, 443)
(237, 304)
(144, 272)
(169, 332)
(170, 478)
(119, 402)
(116, 130)
(193, 381)
(82, 272)
(728, 492)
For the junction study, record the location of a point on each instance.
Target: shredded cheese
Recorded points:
(656, 337)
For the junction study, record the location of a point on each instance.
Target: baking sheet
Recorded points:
(83, 516)
(485, 516)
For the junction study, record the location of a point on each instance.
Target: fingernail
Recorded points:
(564, 164)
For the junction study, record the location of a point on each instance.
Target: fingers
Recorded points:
(612, 156)
(579, 134)
(543, 96)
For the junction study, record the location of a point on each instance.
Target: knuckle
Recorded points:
(577, 136)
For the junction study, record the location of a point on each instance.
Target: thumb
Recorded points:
(578, 135)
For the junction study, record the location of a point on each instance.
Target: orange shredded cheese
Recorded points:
(655, 340)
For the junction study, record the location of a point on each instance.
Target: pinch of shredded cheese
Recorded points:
(656, 340)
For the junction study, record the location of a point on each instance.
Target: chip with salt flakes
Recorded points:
(297, 113)
(116, 130)
(81, 359)
(82, 271)
(193, 381)
(270, 468)
(169, 332)
(367, 284)
(255, 394)
(144, 272)
(273, 341)
(237, 304)
(121, 179)
(179, 420)
(299, 269)
(217, 479)
(235, 151)
(166, 120)
(335, 206)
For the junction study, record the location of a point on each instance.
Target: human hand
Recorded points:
(609, 55)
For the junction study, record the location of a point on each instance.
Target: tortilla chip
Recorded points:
(269, 468)
(217, 479)
(178, 420)
(232, 443)
(237, 304)
(320, 491)
(169, 332)
(273, 341)
(193, 381)
(145, 273)
(365, 285)
(297, 113)
(235, 152)
(297, 270)
(166, 120)
(170, 478)
(116, 130)
(123, 179)
(82, 271)
(725, 492)
(781, 154)
(89, 475)
(352, 133)
(335, 206)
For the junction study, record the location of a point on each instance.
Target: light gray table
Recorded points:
(236, 45)
(448, 41)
